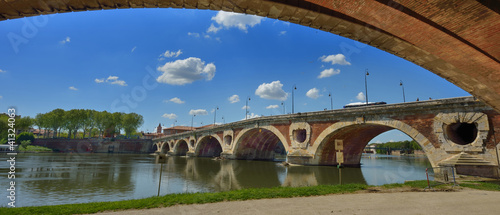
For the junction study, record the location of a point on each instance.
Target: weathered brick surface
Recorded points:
(457, 40)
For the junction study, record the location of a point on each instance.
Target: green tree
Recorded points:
(56, 120)
(103, 121)
(73, 119)
(131, 122)
(41, 120)
(24, 123)
(117, 122)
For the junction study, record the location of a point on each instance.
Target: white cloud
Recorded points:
(234, 99)
(2, 71)
(329, 72)
(271, 90)
(282, 33)
(193, 34)
(171, 54)
(252, 115)
(73, 88)
(198, 112)
(67, 40)
(175, 100)
(245, 107)
(335, 59)
(240, 21)
(213, 29)
(207, 36)
(169, 116)
(313, 93)
(133, 49)
(272, 106)
(360, 96)
(1, 97)
(185, 71)
(111, 80)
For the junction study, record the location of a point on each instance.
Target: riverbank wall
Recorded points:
(97, 145)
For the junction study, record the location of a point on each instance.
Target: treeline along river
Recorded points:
(65, 178)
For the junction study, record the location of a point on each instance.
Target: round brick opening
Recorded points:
(300, 135)
(461, 133)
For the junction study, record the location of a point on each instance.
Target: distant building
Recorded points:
(176, 130)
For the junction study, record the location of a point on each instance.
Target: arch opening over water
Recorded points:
(181, 148)
(260, 144)
(208, 146)
(165, 148)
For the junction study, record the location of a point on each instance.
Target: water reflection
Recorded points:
(47, 179)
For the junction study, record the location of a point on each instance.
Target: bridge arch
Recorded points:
(180, 147)
(356, 135)
(259, 143)
(165, 147)
(413, 30)
(208, 146)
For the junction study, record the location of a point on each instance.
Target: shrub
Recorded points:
(25, 136)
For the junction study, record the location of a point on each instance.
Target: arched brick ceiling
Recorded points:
(457, 40)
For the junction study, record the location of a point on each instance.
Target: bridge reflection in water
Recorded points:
(58, 178)
(192, 174)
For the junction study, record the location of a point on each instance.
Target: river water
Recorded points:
(58, 178)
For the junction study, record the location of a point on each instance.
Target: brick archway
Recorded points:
(208, 146)
(455, 40)
(359, 135)
(258, 143)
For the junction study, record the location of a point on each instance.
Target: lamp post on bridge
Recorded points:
(192, 118)
(215, 113)
(293, 89)
(223, 120)
(331, 100)
(284, 107)
(403, 87)
(366, 86)
(246, 107)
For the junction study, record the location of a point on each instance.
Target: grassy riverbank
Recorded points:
(235, 195)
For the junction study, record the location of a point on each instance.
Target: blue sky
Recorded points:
(167, 64)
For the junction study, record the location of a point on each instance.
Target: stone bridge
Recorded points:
(457, 131)
(457, 40)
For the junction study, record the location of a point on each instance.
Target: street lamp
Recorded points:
(223, 120)
(246, 107)
(174, 126)
(294, 88)
(192, 118)
(331, 100)
(284, 107)
(403, 87)
(215, 113)
(366, 87)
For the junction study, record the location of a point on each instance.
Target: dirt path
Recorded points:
(460, 202)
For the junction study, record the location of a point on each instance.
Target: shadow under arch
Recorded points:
(262, 143)
(180, 148)
(208, 146)
(356, 136)
(165, 147)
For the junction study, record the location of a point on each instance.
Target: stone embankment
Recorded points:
(97, 145)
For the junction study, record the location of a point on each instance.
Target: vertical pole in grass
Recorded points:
(159, 183)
